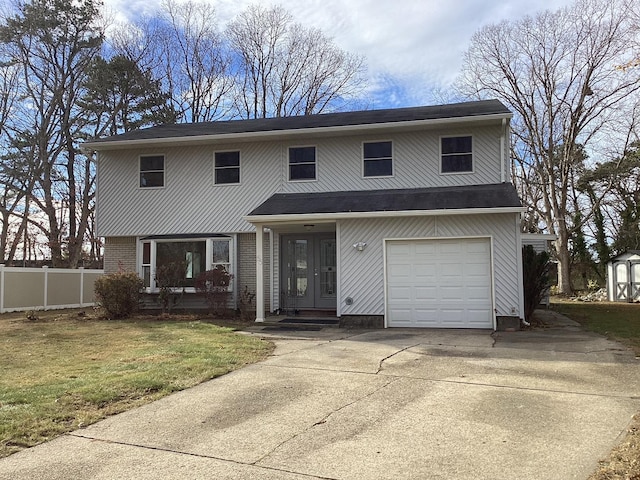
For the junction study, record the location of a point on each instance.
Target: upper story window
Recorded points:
(378, 159)
(456, 154)
(152, 171)
(227, 167)
(302, 163)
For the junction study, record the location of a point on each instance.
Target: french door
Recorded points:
(309, 277)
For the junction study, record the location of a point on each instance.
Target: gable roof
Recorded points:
(372, 203)
(193, 132)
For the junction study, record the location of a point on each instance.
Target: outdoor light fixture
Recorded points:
(359, 246)
(308, 226)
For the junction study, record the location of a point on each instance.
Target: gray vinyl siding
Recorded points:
(362, 273)
(191, 203)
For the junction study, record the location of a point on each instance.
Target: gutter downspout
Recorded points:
(502, 156)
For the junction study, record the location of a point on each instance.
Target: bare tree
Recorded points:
(12, 178)
(54, 43)
(184, 50)
(559, 71)
(283, 68)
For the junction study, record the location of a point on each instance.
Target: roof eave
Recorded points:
(320, 217)
(268, 134)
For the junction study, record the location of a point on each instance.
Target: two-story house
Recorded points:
(404, 216)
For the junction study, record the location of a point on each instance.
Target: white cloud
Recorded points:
(411, 46)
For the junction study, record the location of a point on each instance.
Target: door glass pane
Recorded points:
(298, 280)
(328, 268)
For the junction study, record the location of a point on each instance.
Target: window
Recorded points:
(456, 153)
(378, 160)
(226, 168)
(302, 163)
(152, 171)
(177, 262)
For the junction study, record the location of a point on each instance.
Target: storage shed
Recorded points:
(623, 277)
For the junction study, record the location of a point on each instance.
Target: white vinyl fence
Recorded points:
(46, 288)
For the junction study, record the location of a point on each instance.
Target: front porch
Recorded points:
(304, 273)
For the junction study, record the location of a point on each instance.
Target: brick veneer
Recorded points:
(247, 265)
(120, 254)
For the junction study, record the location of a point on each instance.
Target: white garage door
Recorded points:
(439, 283)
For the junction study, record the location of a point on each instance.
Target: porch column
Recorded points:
(259, 273)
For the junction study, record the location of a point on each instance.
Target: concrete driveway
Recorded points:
(378, 404)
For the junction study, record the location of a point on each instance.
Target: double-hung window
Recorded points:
(177, 262)
(226, 168)
(302, 163)
(151, 171)
(456, 154)
(378, 159)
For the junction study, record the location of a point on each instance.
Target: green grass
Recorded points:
(618, 321)
(66, 372)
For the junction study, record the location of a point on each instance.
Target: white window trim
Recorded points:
(164, 170)
(153, 288)
(473, 157)
(239, 167)
(393, 167)
(316, 163)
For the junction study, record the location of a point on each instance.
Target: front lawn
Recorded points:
(618, 321)
(67, 371)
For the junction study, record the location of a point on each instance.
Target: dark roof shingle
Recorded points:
(437, 198)
(364, 117)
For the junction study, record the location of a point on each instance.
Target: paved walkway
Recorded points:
(380, 404)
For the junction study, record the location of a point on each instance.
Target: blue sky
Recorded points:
(413, 48)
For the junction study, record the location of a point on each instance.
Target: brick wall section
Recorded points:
(120, 254)
(247, 265)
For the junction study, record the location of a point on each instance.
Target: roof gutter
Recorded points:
(323, 217)
(268, 134)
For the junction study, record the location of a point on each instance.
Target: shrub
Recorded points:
(535, 272)
(170, 282)
(119, 293)
(246, 304)
(214, 286)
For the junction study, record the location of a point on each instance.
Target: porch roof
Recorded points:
(472, 199)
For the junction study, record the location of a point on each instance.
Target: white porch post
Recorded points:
(259, 273)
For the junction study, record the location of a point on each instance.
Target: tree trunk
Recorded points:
(564, 263)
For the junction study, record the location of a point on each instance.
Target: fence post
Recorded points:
(1, 287)
(45, 269)
(81, 286)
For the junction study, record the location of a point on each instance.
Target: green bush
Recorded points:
(535, 268)
(119, 293)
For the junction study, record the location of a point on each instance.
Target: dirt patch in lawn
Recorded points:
(623, 462)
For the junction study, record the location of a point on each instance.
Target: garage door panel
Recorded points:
(425, 315)
(480, 293)
(452, 292)
(425, 294)
(480, 246)
(439, 283)
(400, 293)
(475, 269)
(452, 247)
(451, 269)
(425, 249)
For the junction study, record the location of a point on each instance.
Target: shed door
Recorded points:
(439, 283)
